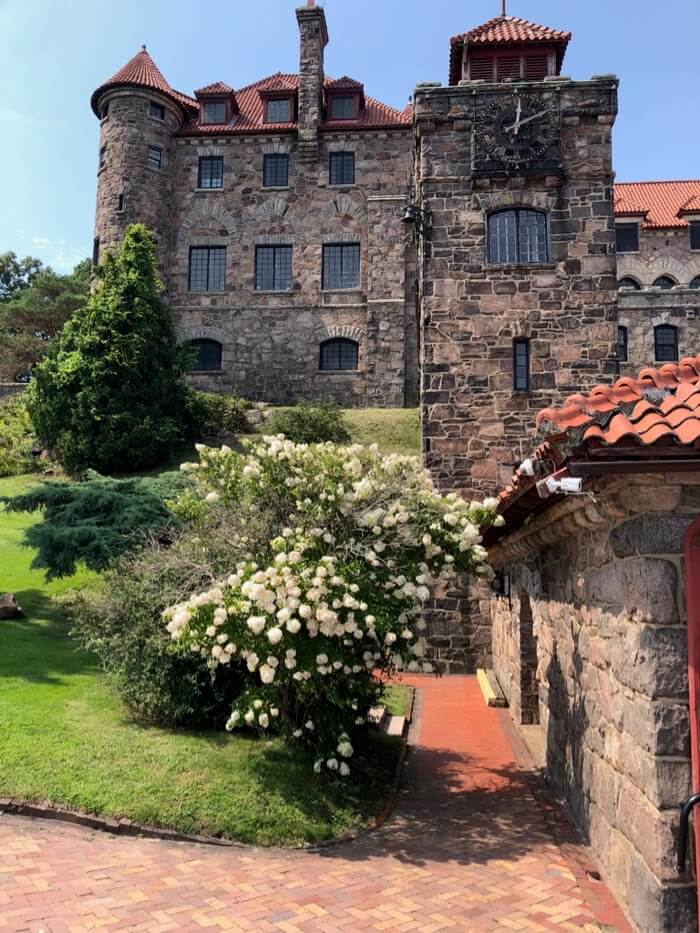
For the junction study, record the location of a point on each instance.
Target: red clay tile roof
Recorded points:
(512, 29)
(374, 115)
(660, 409)
(662, 203)
(659, 404)
(142, 71)
(218, 87)
(504, 30)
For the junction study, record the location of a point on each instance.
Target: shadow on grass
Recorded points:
(37, 648)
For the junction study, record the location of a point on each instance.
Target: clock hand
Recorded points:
(516, 126)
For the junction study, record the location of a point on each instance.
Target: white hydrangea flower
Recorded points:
(332, 764)
(344, 769)
(267, 674)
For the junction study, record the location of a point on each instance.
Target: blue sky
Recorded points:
(53, 54)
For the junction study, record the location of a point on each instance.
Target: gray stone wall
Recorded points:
(271, 340)
(661, 252)
(11, 388)
(127, 131)
(598, 589)
(475, 426)
(641, 311)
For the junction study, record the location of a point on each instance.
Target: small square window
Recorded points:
(157, 110)
(214, 111)
(273, 268)
(341, 266)
(521, 365)
(211, 172)
(276, 171)
(103, 155)
(155, 155)
(695, 234)
(343, 106)
(342, 168)
(627, 238)
(278, 111)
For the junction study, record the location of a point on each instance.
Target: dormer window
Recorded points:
(214, 111)
(278, 110)
(343, 106)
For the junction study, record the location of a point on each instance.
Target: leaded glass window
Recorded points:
(342, 168)
(665, 343)
(628, 282)
(517, 236)
(208, 355)
(276, 171)
(157, 110)
(664, 281)
(211, 172)
(214, 111)
(627, 238)
(278, 111)
(273, 268)
(341, 266)
(339, 353)
(207, 268)
(622, 344)
(155, 156)
(521, 365)
(342, 106)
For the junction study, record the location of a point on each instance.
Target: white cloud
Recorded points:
(41, 241)
(57, 254)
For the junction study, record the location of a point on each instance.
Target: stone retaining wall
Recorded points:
(11, 388)
(591, 642)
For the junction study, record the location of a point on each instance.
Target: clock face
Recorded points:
(516, 132)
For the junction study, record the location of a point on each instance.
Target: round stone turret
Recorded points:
(139, 116)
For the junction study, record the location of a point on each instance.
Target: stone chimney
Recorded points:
(313, 38)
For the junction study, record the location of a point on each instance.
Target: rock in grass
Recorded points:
(9, 608)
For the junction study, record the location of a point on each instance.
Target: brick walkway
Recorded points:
(470, 847)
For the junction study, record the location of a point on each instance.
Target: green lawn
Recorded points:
(66, 738)
(398, 699)
(395, 430)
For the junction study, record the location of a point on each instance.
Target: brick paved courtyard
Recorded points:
(474, 844)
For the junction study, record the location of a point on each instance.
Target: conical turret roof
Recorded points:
(142, 71)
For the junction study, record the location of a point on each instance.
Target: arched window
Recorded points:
(339, 353)
(629, 282)
(695, 283)
(664, 281)
(516, 236)
(622, 344)
(666, 343)
(208, 355)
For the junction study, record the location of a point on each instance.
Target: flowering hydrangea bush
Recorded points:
(334, 594)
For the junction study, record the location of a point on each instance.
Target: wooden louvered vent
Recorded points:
(481, 69)
(536, 67)
(509, 67)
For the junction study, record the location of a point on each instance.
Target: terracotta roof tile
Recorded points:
(663, 203)
(504, 30)
(251, 107)
(660, 408)
(142, 71)
(512, 29)
(218, 87)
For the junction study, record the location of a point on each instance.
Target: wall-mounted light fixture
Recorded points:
(500, 584)
(416, 217)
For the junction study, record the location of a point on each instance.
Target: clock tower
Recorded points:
(517, 290)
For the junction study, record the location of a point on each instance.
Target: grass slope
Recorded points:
(66, 738)
(395, 430)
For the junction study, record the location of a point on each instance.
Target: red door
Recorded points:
(692, 601)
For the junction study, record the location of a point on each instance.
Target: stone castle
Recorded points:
(471, 251)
